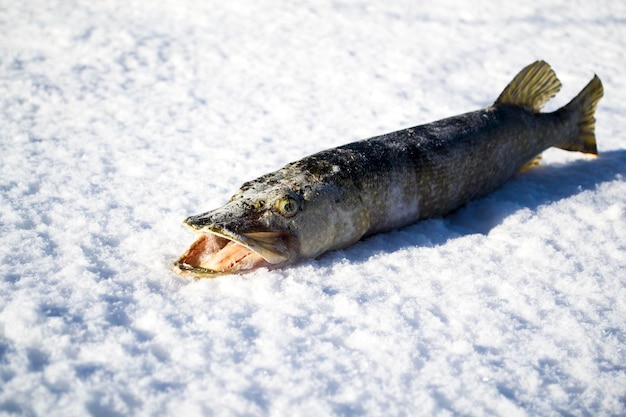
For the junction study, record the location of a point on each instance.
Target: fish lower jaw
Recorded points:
(183, 268)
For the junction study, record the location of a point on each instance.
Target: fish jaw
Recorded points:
(218, 251)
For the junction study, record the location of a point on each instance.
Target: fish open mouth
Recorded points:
(216, 252)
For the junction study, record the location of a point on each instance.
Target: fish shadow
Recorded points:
(531, 189)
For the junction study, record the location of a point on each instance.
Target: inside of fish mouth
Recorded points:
(212, 254)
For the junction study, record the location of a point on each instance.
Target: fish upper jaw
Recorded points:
(271, 245)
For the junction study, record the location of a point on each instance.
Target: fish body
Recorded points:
(336, 197)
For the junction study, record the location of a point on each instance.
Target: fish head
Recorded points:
(272, 224)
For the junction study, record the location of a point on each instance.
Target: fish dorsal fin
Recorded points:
(532, 87)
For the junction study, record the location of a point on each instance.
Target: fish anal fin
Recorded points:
(532, 87)
(532, 163)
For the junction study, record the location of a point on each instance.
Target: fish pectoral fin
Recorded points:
(532, 87)
(531, 164)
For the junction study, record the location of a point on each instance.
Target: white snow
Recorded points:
(120, 118)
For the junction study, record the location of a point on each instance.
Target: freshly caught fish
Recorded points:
(336, 197)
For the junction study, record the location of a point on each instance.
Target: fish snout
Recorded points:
(228, 215)
(200, 221)
(234, 217)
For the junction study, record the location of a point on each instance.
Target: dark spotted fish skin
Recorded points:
(430, 170)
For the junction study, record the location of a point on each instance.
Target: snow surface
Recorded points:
(120, 118)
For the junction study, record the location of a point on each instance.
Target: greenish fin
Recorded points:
(532, 87)
(584, 107)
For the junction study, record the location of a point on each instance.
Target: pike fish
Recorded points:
(336, 197)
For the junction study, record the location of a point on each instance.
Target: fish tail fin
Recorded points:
(583, 106)
(532, 87)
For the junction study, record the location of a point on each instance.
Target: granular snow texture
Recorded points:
(121, 118)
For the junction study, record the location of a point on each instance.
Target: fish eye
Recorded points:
(287, 206)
